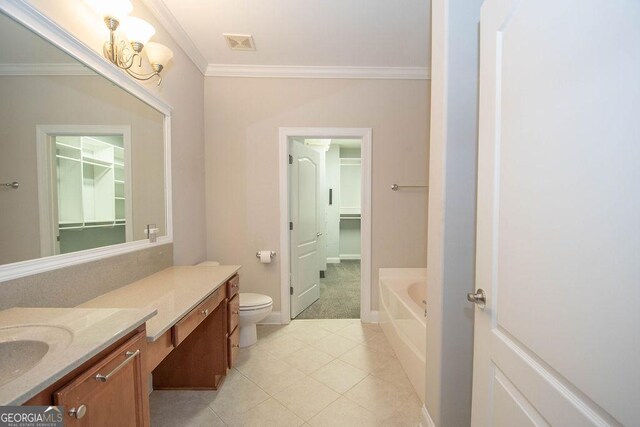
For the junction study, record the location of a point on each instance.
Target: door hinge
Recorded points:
(290, 159)
(291, 226)
(290, 290)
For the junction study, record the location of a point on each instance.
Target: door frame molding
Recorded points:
(364, 134)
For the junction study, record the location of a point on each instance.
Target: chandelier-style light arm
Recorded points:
(126, 51)
(157, 68)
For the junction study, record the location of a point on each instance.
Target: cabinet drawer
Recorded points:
(234, 313)
(112, 392)
(233, 286)
(233, 347)
(188, 323)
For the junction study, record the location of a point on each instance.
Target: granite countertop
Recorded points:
(174, 292)
(72, 337)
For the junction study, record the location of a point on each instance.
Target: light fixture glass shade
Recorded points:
(137, 30)
(158, 53)
(112, 8)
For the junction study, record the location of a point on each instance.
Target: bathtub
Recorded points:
(402, 292)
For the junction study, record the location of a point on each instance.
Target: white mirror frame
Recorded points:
(32, 19)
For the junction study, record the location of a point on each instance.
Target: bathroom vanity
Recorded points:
(79, 358)
(180, 325)
(190, 343)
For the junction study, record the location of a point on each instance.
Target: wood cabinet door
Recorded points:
(111, 393)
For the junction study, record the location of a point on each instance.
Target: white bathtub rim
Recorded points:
(400, 290)
(385, 309)
(417, 273)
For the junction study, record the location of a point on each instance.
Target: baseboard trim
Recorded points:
(426, 420)
(272, 319)
(350, 256)
(333, 260)
(374, 316)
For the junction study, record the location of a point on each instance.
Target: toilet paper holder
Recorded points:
(272, 254)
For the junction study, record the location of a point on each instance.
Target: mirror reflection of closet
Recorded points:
(91, 193)
(46, 92)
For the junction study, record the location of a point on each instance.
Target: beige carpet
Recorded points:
(339, 293)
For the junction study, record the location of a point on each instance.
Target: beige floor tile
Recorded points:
(236, 395)
(269, 373)
(392, 372)
(281, 346)
(360, 333)
(381, 345)
(247, 355)
(344, 412)
(308, 359)
(253, 361)
(378, 396)
(335, 345)
(334, 325)
(267, 332)
(375, 326)
(173, 408)
(309, 334)
(365, 358)
(269, 413)
(307, 397)
(338, 375)
(408, 414)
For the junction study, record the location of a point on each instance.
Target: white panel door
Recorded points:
(304, 187)
(558, 234)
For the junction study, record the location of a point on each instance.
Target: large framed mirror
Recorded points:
(84, 152)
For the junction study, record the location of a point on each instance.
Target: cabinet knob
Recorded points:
(205, 312)
(235, 312)
(78, 412)
(235, 345)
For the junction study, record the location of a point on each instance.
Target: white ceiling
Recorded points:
(302, 33)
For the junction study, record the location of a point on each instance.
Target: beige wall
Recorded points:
(242, 117)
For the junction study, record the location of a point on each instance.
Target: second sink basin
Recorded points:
(20, 356)
(23, 347)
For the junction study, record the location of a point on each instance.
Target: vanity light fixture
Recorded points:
(126, 52)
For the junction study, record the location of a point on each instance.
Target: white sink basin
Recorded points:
(23, 347)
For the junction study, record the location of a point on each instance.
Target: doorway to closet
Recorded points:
(326, 203)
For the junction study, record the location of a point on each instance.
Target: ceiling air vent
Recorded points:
(240, 41)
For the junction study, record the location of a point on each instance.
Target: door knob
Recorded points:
(318, 234)
(78, 412)
(478, 298)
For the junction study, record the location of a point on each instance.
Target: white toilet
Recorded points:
(253, 308)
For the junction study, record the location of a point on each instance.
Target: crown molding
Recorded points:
(294, 71)
(162, 13)
(175, 30)
(39, 69)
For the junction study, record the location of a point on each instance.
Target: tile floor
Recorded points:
(330, 372)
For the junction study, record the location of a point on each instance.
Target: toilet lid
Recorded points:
(250, 301)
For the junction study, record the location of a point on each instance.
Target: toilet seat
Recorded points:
(250, 301)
